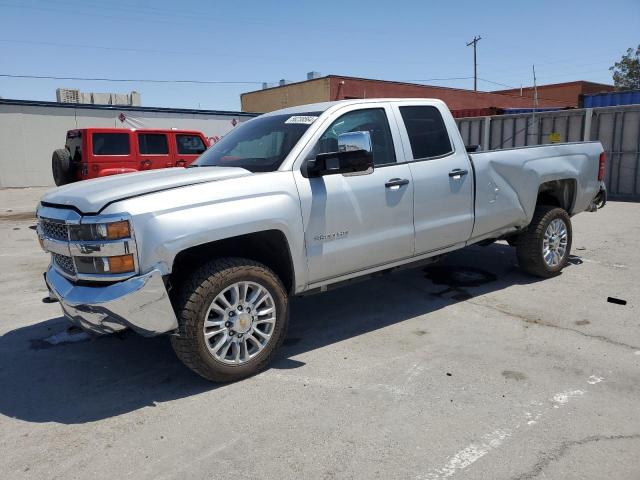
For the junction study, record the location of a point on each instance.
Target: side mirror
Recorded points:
(354, 155)
(354, 141)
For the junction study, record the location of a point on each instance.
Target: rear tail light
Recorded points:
(601, 166)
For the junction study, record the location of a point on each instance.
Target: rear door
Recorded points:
(189, 146)
(442, 176)
(153, 150)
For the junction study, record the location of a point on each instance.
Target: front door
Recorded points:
(189, 146)
(357, 221)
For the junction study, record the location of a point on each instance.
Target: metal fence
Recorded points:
(618, 128)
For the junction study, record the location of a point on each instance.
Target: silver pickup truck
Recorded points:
(292, 202)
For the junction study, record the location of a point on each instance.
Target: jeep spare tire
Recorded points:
(61, 167)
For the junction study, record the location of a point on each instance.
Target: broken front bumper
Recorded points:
(140, 303)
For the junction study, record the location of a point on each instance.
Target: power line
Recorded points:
(231, 82)
(100, 47)
(496, 83)
(132, 80)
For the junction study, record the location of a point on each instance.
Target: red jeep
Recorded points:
(97, 152)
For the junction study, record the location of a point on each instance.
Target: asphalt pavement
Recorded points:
(467, 369)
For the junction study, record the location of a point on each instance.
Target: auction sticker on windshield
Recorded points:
(302, 119)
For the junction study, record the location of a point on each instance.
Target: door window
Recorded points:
(190, 145)
(427, 132)
(110, 143)
(372, 120)
(153, 144)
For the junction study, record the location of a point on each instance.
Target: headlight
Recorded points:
(100, 231)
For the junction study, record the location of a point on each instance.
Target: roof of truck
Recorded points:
(321, 107)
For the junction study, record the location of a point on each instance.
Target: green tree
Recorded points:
(626, 72)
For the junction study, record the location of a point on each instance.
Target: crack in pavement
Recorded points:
(563, 448)
(539, 321)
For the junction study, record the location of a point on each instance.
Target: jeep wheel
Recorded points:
(232, 315)
(61, 167)
(543, 249)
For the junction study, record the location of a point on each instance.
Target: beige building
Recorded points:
(300, 93)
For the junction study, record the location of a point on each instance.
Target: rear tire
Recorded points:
(61, 167)
(543, 249)
(239, 338)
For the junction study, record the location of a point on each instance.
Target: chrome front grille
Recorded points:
(77, 251)
(65, 263)
(55, 230)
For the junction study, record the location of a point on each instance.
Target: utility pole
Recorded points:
(474, 42)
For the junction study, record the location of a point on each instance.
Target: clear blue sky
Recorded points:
(264, 41)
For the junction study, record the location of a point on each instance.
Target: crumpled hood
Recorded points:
(90, 196)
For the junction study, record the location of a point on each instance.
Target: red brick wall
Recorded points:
(345, 87)
(563, 92)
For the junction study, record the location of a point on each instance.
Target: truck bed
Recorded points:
(507, 182)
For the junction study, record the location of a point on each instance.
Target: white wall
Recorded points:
(30, 133)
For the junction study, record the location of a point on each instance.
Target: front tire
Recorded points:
(543, 249)
(233, 315)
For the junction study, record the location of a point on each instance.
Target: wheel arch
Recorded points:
(269, 247)
(559, 193)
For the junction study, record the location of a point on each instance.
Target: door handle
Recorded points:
(458, 172)
(396, 182)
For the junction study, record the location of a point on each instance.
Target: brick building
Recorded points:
(336, 87)
(568, 92)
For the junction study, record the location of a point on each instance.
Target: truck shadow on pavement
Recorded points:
(109, 376)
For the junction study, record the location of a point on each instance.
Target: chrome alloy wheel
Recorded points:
(554, 244)
(239, 322)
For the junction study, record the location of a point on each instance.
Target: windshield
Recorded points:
(259, 145)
